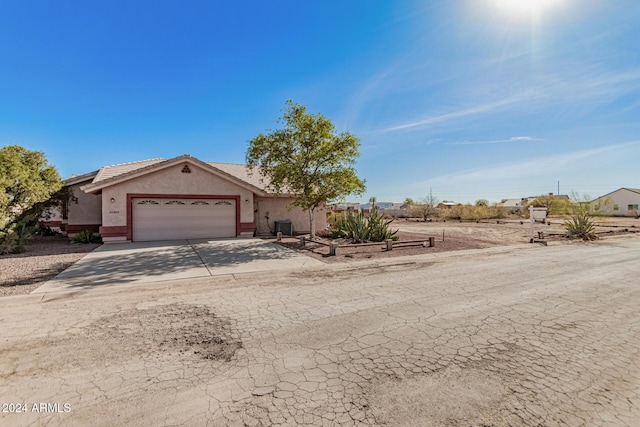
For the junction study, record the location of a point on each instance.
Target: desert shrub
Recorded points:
(555, 205)
(497, 212)
(87, 236)
(14, 237)
(44, 230)
(455, 212)
(332, 218)
(475, 212)
(358, 228)
(424, 211)
(9, 243)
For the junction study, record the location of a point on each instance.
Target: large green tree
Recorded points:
(308, 158)
(26, 179)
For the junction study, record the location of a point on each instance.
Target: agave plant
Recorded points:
(359, 229)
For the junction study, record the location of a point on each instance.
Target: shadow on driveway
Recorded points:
(145, 262)
(230, 253)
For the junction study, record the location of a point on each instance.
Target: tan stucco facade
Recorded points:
(84, 207)
(271, 209)
(105, 198)
(622, 202)
(171, 181)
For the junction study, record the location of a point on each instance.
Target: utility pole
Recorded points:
(558, 187)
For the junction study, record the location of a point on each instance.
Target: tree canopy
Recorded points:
(306, 157)
(26, 179)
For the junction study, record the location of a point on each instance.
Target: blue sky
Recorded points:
(472, 98)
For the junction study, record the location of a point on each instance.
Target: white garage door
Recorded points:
(170, 219)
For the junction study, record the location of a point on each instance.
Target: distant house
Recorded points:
(515, 205)
(512, 205)
(546, 199)
(382, 205)
(397, 210)
(345, 206)
(447, 205)
(622, 202)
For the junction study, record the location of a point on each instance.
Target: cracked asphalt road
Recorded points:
(539, 336)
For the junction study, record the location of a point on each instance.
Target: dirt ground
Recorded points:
(459, 235)
(45, 257)
(491, 338)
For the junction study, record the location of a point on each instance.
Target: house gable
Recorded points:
(117, 174)
(623, 201)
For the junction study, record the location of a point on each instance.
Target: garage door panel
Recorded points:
(166, 219)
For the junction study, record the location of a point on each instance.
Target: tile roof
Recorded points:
(243, 173)
(122, 168)
(76, 179)
(237, 172)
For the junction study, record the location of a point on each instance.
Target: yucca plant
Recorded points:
(580, 225)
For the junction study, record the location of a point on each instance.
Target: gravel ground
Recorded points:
(452, 235)
(44, 258)
(346, 254)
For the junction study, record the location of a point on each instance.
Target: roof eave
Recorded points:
(95, 187)
(80, 178)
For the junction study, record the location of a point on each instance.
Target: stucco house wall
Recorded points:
(105, 199)
(275, 208)
(171, 181)
(83, 209)
(622, 202)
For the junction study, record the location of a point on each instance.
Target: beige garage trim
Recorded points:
(182, 218)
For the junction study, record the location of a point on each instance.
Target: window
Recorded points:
(632, 207)
(616, 207)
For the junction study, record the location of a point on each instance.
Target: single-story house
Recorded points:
(344, 206)
(179, 198)
(392, 209)
(380, 205)
(513, 205)
(447, 205)
(622, 202)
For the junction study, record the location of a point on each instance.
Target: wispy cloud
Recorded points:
(513, 139)
(587, 89)
(533, 167)
(478, 109)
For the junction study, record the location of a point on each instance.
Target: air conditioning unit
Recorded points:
(284, 227)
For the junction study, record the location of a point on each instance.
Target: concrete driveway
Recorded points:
(147, 262)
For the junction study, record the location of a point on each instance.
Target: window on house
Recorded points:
(616, 207)
(632, 207)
